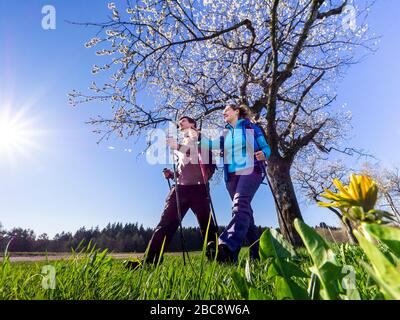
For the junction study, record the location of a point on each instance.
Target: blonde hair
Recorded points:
(244, 111)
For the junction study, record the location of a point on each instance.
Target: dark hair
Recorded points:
(190, 120)
(244, 111)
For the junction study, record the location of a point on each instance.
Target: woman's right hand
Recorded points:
(168, 174)
(260, 156)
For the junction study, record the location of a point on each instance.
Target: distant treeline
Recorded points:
(117, 237)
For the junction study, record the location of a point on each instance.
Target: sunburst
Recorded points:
(17, 134)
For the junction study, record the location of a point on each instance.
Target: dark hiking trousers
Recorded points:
(242, 188)
(193, 197)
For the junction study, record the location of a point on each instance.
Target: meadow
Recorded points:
(318, 271)
(90, 274)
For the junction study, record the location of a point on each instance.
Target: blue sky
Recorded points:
(65, 180)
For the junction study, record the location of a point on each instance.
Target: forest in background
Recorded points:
(117, 237)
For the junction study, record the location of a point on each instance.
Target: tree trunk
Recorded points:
(285, 199)
(347, 226)
(349, 229)
(390, 201)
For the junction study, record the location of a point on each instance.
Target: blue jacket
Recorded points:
(235, 145)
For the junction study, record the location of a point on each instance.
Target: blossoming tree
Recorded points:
(280, 57)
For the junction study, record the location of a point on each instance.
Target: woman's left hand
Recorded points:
(260, 156)
(172, 143)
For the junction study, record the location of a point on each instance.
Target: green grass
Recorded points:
(94, 275)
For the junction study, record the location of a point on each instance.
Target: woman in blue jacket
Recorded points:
(244, 152)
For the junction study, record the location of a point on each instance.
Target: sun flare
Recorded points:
(10, 134)
(17, 135)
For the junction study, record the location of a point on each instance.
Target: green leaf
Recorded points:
(316, 246)
(384, 273)
(390, 236)
(241, 284)
(284, 269)
(288, 289)
(378, 296)
(329, 275)
(255, 294)
(385, 288)
(314, 287)
(273, 270)
(272, 244)
(325, 265)
(292, 270)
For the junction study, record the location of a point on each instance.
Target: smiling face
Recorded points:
(230, 115)
(184, 124)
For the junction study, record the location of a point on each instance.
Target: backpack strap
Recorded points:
(222, 142)
(253, 127)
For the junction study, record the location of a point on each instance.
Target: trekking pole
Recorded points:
(169, 182)
(212, 208)
(207, 186)
(178, 205)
